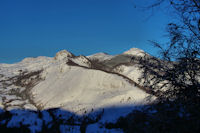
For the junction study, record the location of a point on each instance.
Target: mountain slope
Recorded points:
(87, 88)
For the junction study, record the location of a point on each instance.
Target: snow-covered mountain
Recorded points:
(98, 87)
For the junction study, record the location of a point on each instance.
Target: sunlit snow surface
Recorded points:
(74, 90)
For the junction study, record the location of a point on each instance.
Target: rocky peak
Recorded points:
(63, 54)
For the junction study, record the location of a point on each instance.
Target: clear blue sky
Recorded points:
(31, 28)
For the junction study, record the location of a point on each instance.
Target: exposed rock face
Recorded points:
(63, 55)
(82, 61)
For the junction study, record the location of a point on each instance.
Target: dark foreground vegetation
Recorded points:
(168, 117)
(53, 120)
(178, 70)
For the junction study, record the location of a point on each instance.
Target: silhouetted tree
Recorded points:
(178, 70)
(174, 79)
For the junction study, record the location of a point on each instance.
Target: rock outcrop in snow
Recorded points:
(82, 61)
(63, 55)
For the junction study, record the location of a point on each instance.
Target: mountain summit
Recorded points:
(135, 52)
(63, 54)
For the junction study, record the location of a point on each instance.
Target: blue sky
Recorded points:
(31, 28)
